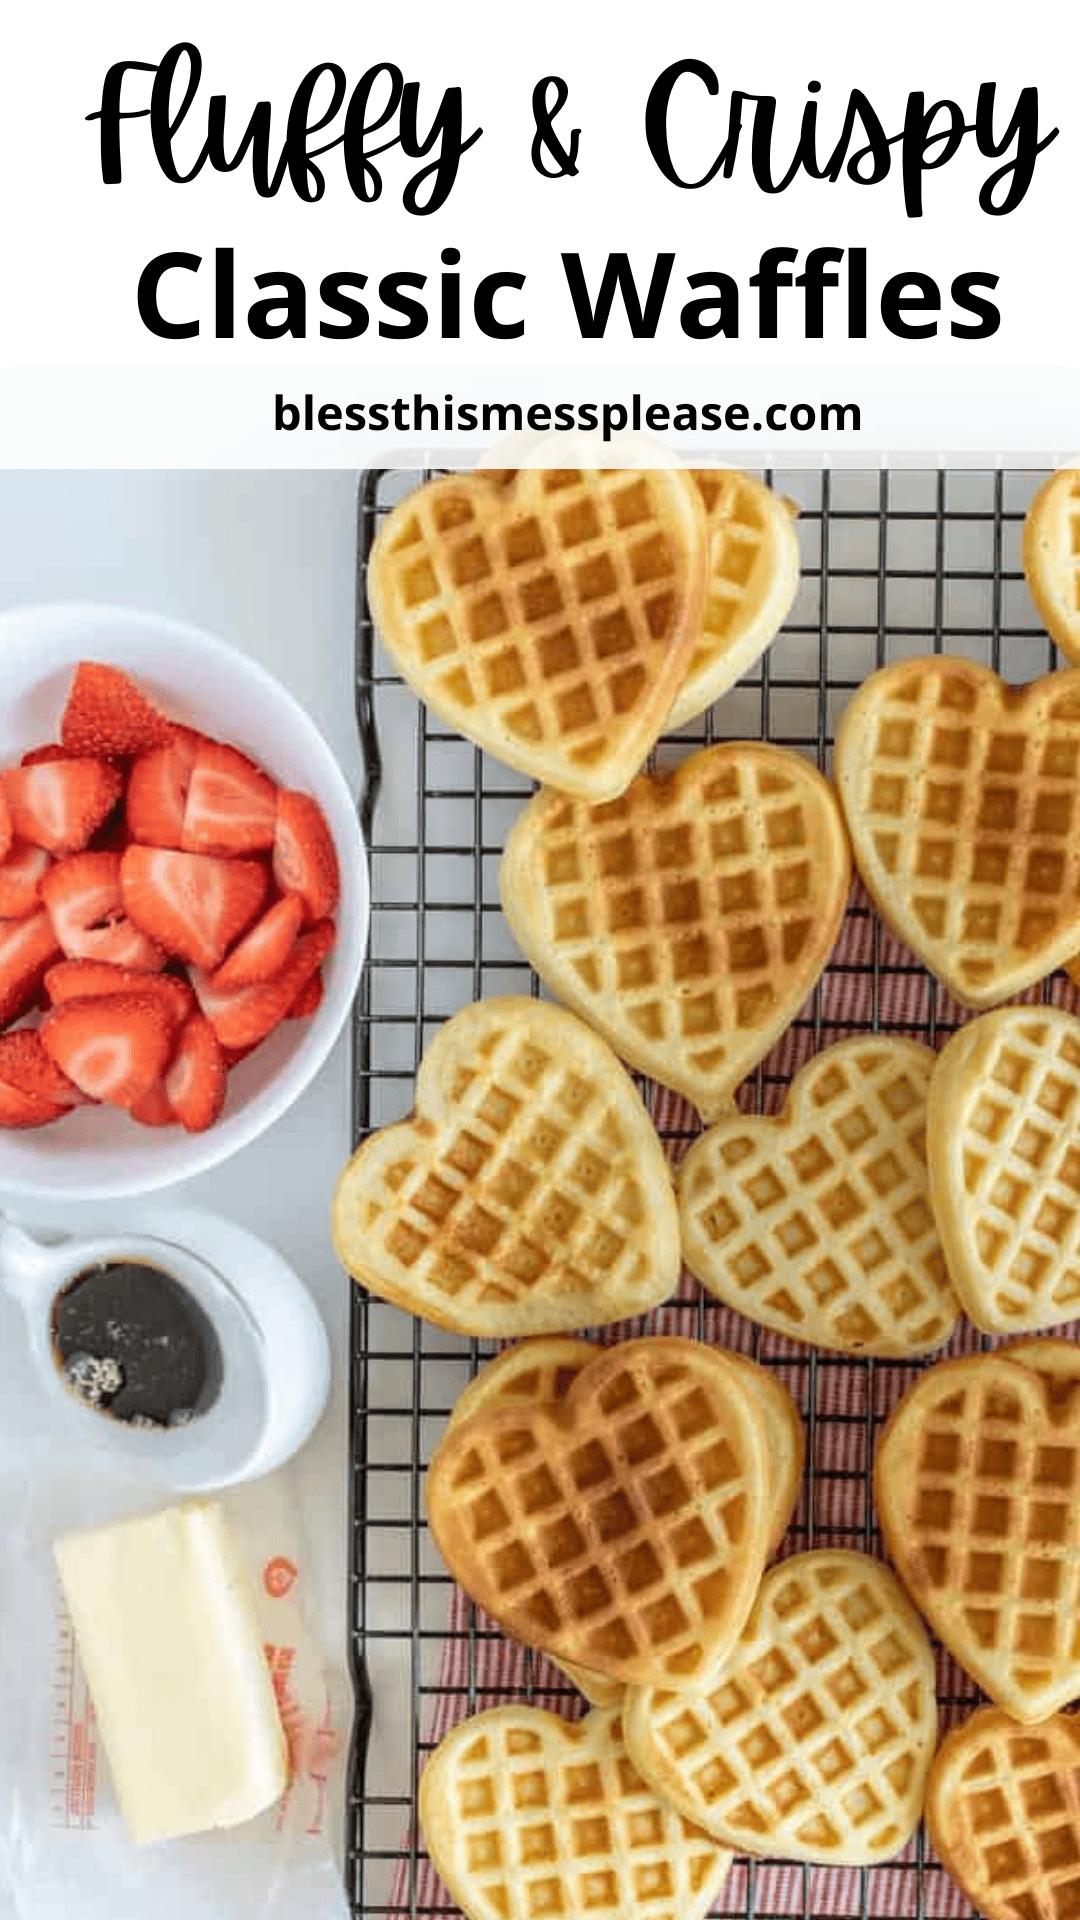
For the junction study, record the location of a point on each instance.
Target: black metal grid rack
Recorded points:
(893, 563)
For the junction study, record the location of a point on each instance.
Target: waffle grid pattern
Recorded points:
(563, 623)
(894, 563)
(823, 1725)
(1022, 1172)
(549, 1828)
(745, 590)
(620, 1532)
(1011, 1806)
(778, 1218)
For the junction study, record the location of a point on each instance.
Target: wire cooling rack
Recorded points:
(893, 564)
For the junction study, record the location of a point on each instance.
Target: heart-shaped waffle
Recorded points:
(1003, 1809)
(1051, 555)
(544, 1371)
(688, 920)
(961, 796)
(814, 1740)
(976, 1478)
(753, 575)
(624, 1529)
(551, 620)
(818, 1223)
(1005, 1169)
(529, 1194)
(525, 1815)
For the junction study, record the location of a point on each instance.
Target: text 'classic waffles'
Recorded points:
(814, 1740)
(688, 920)
(527, 1816)
(1004, 1814)
(1052, 557)
(818, 1223)
(529, 1194)
(1005, 1166)
(624, 1529)
(961, 796)
(551, 620)
(976, 1478)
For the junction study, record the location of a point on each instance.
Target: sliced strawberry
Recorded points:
(308, 1000)
(21, 875)
(107, 715)
(189, 903)
(305, 861)
(113, 1048)
(86, 906)
(265, 949)
(231, 803)
(158, 789)
(40, 756)
(7, 831)
(246, 1016)
(24, 1064)
(18, 1109)
(60, 803)
(197, 1079)
(26, 949)
(153, 1110)
(91, 979)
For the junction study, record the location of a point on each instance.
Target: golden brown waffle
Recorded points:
(1003, 1810)
(1051, 555)
(818, 1223)
(625, 1529)
(814, 1740)
(551, 620)
(962, 796)
(687, 921)
(1005, 1167)
(525, 1815)
(753, 575)
(975, 1476)
(530, 1193)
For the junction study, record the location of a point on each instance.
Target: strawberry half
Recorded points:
(93, 979)
(59, 803)
(308, 1000)
(40, 756)
(197, 1079)
(113, 1048)
(86, 906)
(265, 949)
(157, 791)
(107, 715)
(26, 949)
(153, 1110)
(231, 803)
(21, 875)
(24, 1064)
(242, 1018)
(7, 831)
(18, 1109)
(305, 861)
(189, 903)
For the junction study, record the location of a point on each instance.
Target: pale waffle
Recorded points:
(1005, 1167)
(814, 1740)
(975, 1476)
(529, 1194)
(1003, 1811)
(753, 575)
(624, 1529)
(1051, 556)
(527, 1817)
(688, 920)
(818, 1223)
(551, 620)
(962, 796)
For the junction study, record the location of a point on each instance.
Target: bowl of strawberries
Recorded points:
(183, 901)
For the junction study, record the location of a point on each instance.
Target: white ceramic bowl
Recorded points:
(98, 1152)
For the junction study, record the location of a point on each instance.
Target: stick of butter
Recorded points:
(167, 1633)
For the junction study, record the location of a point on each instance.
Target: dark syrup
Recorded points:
(131, 1342)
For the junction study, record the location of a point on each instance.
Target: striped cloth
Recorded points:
(871, 979)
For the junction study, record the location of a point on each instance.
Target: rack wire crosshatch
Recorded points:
(893, 564)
